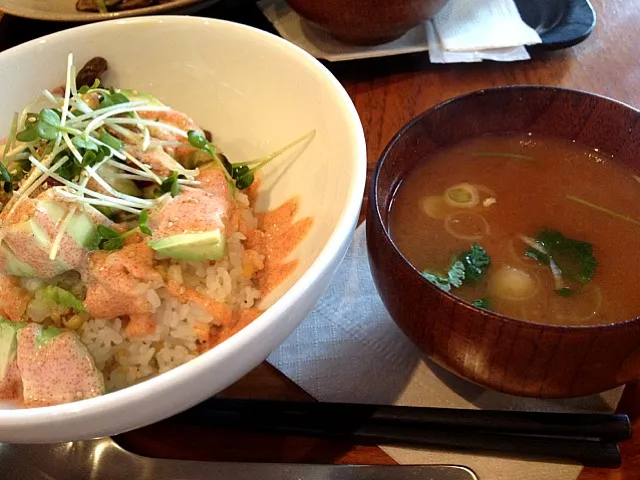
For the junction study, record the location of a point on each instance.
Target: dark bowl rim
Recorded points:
(417, 119)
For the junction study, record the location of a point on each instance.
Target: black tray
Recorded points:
(560, 23)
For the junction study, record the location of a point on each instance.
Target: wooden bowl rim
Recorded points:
(420, 117)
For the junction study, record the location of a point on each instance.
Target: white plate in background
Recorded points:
(65, 10)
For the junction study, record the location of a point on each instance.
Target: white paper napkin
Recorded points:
(476, 30)
(464, 31)
(349, 350)
(438, 55)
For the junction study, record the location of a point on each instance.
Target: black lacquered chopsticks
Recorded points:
(589, 439)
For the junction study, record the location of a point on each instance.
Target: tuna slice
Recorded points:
(55, 367)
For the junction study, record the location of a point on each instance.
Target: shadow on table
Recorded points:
(486, 399)
(176, 440)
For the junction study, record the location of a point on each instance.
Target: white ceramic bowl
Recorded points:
(256, 92)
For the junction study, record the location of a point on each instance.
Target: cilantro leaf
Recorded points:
(457, 274)
(574, 257)
(537, 255)
(475, 261)
(440, 282)
(468, 267)
(481, 303)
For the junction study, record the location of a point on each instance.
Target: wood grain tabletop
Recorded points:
(387, 94)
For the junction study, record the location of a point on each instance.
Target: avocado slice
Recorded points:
(123, 185)
(80, 227)
(53, 294)
(198, 159)
(12, 265)
(193, 247)
(8, 344)
(136, 95)
(29, 229)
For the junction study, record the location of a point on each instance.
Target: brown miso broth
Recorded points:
(523, 185)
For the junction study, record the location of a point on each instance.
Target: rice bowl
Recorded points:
(340, 176)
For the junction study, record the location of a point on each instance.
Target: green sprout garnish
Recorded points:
(81, 146)
(109, 239)
(171, 185)
(112, 98)
(108, 139)
(7, 179)
(199, 141)
(242, 173)
(142, 223)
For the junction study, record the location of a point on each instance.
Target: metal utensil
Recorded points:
(103, 459)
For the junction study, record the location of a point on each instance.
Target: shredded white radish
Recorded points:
(69, 197)
(60, 234)
(117, 202)
(148, 123)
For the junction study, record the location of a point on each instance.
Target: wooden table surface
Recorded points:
(387, 95)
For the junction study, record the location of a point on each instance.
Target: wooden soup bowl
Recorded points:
(366, 22)
(493, 350)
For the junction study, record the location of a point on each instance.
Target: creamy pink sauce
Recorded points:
(155, 157)
(278, 235)
(197, 209)
(118, 281)
(139, 325)
(59, 371)
(13, 298)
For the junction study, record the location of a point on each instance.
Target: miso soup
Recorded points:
(535, 228)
